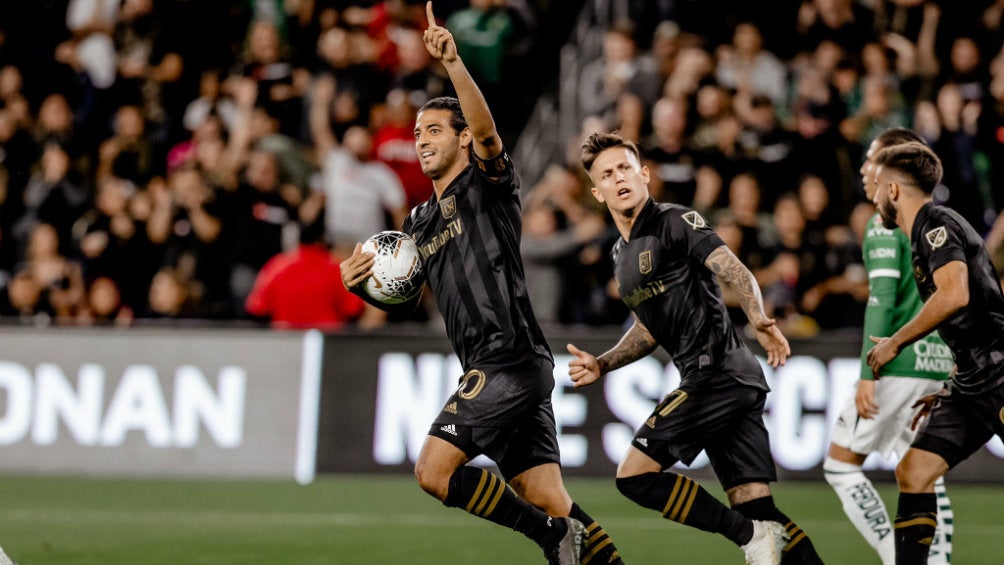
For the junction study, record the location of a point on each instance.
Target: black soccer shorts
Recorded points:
(958, 425)
(725, 419)
(504, 412)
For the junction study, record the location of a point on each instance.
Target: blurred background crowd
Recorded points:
(212, 160)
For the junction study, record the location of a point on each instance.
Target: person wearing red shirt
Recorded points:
(302, 288)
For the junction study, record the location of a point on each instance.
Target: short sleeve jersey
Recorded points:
(975, 333)
(469, 244)
(893, 301)
(663, 279)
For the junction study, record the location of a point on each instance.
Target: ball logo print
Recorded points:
(397, 270)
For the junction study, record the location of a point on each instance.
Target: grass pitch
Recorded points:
(388, 520)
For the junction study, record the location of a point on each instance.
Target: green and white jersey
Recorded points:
(893, 301)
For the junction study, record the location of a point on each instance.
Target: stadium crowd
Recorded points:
(155, 155)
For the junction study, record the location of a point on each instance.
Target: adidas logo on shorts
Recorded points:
(450, 429)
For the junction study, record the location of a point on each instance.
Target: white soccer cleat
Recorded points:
(570, 547)
(767, 543)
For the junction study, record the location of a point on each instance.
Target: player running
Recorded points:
(665, 264)
(964, 302)
(877, 418)
(468, 235)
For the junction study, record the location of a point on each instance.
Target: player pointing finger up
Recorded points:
(438, 40)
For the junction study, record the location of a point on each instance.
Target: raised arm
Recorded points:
(440, 44)
(731, 271)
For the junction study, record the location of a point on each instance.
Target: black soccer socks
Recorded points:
(680, 499)
(799, 549)
(599, 548)
(916, 520)
(486, 495)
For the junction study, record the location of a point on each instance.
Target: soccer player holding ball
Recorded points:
(665, 264)
(468, 237)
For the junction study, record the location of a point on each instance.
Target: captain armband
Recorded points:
(494, 167)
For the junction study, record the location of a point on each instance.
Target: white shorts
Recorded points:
(889, 430)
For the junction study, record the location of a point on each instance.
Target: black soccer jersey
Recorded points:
(976, 333)
(663, 280)
(469, 243)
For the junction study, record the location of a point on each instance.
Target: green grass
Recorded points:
(352, 520)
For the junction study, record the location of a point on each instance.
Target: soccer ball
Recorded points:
(397, 270)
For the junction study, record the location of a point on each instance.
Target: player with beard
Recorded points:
(666, 264)
(964, 302)
(877, 417)
(468, 236)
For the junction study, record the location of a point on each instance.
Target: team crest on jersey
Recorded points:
(645, 262)
(694, 220)
(936, 237)
(448, 206)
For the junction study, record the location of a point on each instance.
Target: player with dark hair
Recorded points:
(877, 418)
(468, 236)
(964, 302)
(665, 264)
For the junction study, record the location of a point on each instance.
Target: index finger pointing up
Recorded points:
(429, 14)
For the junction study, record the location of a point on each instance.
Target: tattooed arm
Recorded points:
(731, 271)
(586, 368)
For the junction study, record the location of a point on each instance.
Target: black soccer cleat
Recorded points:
(569, 548)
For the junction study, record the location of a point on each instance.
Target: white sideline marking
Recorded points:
(349, 519)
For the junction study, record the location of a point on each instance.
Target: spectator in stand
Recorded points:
(795, 265)
(765, 146)
(745, 66)
(113, 245)
(256, 216)
(171, 297)
(104, 305)
(129, 153)
(845, 22)
(620, 69)
(18, 153)
(53, 196)
(58, 277)
(744, 211)
(556, 229)
(413, 72)
(360, 191)
(485, 34)
(394, 145)
(211, 101)
(965, 185)
(348, 56)
(187, 224)
(303, 288)
(280, 85)
(667, 153)
(149, 70)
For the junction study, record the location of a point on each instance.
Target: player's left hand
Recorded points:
(357, 268)
(926, 404)
(438, 40)
(885, 350)
(772, 341)
(584, 369)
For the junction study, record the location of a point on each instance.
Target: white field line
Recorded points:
(196, 518)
